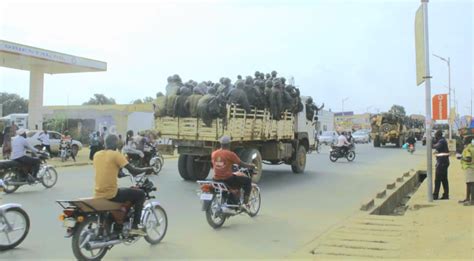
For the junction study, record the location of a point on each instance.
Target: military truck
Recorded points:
(256, 138)
(388, 128)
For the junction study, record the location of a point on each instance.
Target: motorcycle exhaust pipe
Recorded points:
(97, 245)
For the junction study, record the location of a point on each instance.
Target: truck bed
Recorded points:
(239, 125)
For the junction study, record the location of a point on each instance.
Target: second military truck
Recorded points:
(256, 138)
(388, 128)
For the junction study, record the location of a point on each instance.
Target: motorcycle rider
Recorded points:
(107, 165)
(222, 161)
(342, 143)
(19, 147)
(411, 139)
(67, 139)
(131, 145)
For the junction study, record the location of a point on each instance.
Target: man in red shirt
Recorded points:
(222, 161)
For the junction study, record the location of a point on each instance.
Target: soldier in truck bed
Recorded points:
(192, 101)
(238, 96)
(179, 109)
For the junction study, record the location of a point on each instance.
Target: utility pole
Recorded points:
(343, 100)
(428, 120)
(448, 62)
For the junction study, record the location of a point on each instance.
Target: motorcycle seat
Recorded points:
(97, 204)
(6, 164)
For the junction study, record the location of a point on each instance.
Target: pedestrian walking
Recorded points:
(45, 143)
(94, 144)
(7, 142)
(442, 164)
(120, 143)
(467, 164)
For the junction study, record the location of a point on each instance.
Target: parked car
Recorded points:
(328, 137)
(54, 138)
(361, 136)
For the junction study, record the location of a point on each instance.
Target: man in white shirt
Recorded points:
(19, 147)
(342, 142)
(44, 138)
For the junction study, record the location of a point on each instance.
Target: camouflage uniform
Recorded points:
(237, 96)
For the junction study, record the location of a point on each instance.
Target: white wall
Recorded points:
(139, 121)
(326, 120)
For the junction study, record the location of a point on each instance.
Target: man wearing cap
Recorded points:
(19, 147)
(222, 161)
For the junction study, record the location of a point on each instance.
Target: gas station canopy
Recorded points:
(24, 57)
(38, 62)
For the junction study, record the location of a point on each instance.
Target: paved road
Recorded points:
(295, 209)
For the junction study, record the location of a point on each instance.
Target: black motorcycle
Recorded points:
(339, 152)
(152, 158)
(96, 225)
(16, 175)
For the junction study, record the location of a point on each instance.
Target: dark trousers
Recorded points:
(136, 197)
(93, 150)
(441, 178)
(240, 182)
(48, 148)
(33, 163)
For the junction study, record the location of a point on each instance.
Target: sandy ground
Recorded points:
(443, 228)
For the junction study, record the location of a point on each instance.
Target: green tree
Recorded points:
(99, 99)
(147, 99)
(13, 103)
(398, 109)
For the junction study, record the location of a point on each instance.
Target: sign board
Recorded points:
(420, 46)
(440, 107)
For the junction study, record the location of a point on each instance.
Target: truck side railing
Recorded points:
(238, 124)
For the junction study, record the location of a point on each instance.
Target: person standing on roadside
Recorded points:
(467, 163)
(94, 144)
(44, 138)
(442, 164)
(120, 143)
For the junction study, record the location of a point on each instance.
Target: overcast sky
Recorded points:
(363, 49)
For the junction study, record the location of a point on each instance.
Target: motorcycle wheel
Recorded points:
(10, 176)
(156, 225)
(254, 201)
(333, 156)
(351, 156)
(213, 215)
(20, 223)
(155, 163)
(50, 177)
(86, 228)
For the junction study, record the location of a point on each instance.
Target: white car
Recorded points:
(328, 137)
(361, 136)
(54, 140)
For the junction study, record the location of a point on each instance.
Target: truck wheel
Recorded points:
(247, 155)
(299, 163)
(182, 166)
(196, 168)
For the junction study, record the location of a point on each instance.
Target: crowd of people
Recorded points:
(207, 100)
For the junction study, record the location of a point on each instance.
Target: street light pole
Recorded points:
(343, 100)
(448, 62)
